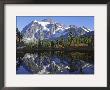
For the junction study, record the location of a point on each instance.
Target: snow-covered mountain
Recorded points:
(49, 29)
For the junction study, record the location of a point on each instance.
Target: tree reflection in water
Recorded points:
(55, 62)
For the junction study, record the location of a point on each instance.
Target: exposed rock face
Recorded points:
(49, 29)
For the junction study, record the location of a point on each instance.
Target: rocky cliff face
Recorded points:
(49, 29)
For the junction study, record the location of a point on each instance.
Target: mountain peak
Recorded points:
(48, 20)
(35, 21)
(49, 29)
(86, 29)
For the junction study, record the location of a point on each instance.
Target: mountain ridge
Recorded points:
(49, 29)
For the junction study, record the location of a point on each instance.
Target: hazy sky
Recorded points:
(87, 21)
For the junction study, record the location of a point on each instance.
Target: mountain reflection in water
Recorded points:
(55, 62)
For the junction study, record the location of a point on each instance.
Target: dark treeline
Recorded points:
(71, 42)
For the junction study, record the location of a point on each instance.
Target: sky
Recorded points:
(79, 21)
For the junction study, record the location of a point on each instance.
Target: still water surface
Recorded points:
(55, 62)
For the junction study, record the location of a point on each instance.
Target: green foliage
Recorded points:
(64, 43)
(70, 42)
(19, 36)
(31, 45)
